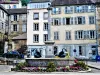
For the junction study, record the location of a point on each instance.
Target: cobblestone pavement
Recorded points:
(28, 73)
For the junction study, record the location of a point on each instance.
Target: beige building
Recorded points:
(18, 23)
(73, 27)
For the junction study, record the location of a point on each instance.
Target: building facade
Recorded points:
(18, 24)
(11, 4)
(73, 27)
(4, 25)
(37, 27)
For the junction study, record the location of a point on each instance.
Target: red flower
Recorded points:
(75, 60)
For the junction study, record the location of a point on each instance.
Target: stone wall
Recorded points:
(44, 62)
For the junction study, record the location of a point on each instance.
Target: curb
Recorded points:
(94, 67)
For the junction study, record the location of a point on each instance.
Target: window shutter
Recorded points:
(75, 20)
(17, 17)
(12, 28)
(59, 10)
(17, 27)
(75, 35)
(64, 21)
(71, 9)
(88, 34)
(59, 21)
(83, 20)
(85, 34)
(12, 18)
(94, 19)
(95, 35)
(65, 10)
(52, 21)
(71, 20)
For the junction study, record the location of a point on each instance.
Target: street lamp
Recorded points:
(96, 28)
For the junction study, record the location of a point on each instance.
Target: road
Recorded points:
(93, 72)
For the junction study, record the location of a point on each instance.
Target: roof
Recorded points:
(9, 1)
(73, 2)
(20, 37)
(1, 7)
(18, 11)
(38, 1)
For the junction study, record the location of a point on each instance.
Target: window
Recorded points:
(14, 6)
(68, 9)
(15, 17)
(36, 26)
(45, 16)
(2, 26)
(55, 50)
(91, 20)
(67, 21)
(56, 21)
(92, 34)
(15, 27)
(56, 11)
(68, 35)
(45, 26)
(79, 9)
(3, 14)
(80, 50)
(23, 28)
(91, 8)
(36, 38)
(79, 34)
(56, 35)
(79, 20)
(45, 37)
(36, 16)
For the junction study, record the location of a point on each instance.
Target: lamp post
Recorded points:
(96, 28)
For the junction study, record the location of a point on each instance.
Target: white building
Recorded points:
(37, 27)
(9, 4)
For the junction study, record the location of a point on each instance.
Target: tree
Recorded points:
(24, 2)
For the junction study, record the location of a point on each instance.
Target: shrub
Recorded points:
(51, 67)
(82, 65)
(21, 65)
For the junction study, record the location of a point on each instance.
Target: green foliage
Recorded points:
(51, 67)
(24, 2)
(21, 65)
(82, 64)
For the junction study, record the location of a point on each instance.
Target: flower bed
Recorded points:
(51, 67)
